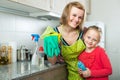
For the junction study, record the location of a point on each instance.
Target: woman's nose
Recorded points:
(77, 19)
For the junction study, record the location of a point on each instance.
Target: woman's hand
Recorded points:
(51, 46)
(52, 60)
(51, 42)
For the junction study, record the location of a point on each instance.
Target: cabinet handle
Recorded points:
(51, 4)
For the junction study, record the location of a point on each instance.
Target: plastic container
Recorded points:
(3, 54)
(14, 51)
(41, 60)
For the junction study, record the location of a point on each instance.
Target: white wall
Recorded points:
(108, 12)
(18, 29)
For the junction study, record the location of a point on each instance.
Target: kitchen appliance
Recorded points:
(24, 54)
(21, 53)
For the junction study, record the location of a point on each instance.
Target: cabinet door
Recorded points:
(41, 4)
(57, 6)
(86, 4)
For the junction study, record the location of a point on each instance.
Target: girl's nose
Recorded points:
(90, 40)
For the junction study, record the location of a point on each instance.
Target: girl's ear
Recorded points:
(83, 36)
(85, 29)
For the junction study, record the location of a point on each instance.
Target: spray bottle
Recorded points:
(35, 57)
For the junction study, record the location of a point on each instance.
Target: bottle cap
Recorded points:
(41, 48)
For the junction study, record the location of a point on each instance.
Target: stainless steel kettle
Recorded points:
(21, 53)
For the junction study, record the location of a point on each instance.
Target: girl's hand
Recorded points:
(86, 73)
(80, 71)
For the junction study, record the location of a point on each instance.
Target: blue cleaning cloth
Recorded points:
(81, 66)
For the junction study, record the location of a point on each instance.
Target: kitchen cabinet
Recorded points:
(50, 9)
(57, 6)
(86, 4)
(47, 9)
(15, 7)
(31, 8)
(48, 5)
(40, 4)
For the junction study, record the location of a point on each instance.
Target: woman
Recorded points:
(71, 44)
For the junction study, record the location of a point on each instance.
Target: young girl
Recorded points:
(98, 66)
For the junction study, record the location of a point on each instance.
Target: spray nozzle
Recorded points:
(35, 37)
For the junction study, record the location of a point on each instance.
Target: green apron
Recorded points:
(70, 55)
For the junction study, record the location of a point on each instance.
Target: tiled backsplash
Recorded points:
(14, 28)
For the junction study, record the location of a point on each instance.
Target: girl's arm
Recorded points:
(106, 68)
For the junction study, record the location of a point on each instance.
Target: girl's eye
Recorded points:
(88, 37)
(94, 40)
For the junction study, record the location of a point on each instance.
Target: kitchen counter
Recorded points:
(26, 71)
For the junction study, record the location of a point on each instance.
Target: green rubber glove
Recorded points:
(51, 42)
(51, 46)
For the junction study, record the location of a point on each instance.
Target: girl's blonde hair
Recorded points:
(94, 27)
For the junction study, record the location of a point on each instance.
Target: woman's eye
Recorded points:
(80, 17)
(74, 15)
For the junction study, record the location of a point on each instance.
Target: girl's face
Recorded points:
(76, 16)
(91, 38)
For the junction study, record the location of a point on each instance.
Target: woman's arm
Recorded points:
(52, 60)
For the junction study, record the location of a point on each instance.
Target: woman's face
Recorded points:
(91, 38)
(76, 16)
